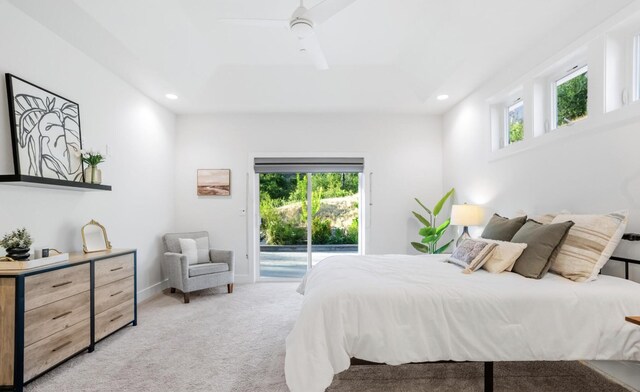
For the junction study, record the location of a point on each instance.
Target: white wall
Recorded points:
(140, 135)
(590, 167)
(403, 152)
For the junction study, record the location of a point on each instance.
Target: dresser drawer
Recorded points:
(113, 269)
(113, 294)
(56, 348)
(48, 287)
(114, 318)
(54, 317)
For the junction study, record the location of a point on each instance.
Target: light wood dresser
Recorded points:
(50, 314)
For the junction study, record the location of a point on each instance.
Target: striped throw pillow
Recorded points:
(589, 244)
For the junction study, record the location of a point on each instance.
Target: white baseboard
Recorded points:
(152, 290)
(622, 372)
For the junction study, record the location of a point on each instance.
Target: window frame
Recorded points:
(635, 64)
(579, 69)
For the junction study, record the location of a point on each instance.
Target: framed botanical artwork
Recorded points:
(214, 182)
(45, 132)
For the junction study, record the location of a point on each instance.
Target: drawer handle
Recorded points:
(62, 315)
(115, 318)
(114, 294)
(116, 269)
(61, 284)
(61, 346)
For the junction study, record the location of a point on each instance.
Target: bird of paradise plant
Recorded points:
(431, 233)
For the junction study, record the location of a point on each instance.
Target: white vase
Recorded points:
(93, 175)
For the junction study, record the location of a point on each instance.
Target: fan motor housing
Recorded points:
(301, 27)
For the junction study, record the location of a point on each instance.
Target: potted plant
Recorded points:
(17, 244)
(431, 232)
(92, 174)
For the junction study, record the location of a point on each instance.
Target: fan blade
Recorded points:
(257, 22)
(311, 47)
(325, 10)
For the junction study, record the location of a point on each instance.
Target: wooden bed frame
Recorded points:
(488, 366)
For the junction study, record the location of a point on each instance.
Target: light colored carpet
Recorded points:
(222, 342)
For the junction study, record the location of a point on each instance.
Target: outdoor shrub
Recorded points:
(320, 231)
(279, 232)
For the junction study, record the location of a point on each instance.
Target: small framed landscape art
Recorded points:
(214, 182)
(45, 132)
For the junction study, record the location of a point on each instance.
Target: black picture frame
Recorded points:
(50, 115)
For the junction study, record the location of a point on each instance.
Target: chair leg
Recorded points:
(186, 298)
(230, 288)
(173, 290)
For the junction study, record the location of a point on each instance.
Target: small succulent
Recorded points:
(19, 238)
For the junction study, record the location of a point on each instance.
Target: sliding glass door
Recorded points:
(306, 217)
(335, 223)
(283, 225)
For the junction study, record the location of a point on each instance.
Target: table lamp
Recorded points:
(466, 215)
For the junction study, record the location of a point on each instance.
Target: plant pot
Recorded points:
(18, 253)
(93, 175)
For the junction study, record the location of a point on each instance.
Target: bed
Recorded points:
(398, 309)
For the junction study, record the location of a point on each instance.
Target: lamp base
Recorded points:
(464, 236)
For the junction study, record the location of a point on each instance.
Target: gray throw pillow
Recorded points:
(471, 255)
(542, 244)
(502, 229)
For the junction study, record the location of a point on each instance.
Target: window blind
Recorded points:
(309, 165)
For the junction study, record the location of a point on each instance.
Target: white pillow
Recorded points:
(189, 249)
(504, 256)
(202, 245)
(589, 244)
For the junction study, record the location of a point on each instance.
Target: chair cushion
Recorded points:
(188, 248)
(202, 247)
(172, 244)
(207, 268)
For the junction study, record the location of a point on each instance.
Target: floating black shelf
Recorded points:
(40, 182)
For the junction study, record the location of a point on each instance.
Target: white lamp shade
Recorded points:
(466, 215)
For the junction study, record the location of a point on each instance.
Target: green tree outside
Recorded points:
(516, 131)
(572, 99)
(280, 190)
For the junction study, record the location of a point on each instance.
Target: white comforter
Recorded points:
(401, 309)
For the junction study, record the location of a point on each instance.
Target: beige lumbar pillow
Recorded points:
(547, 218)
(504, 256)
(589, 244)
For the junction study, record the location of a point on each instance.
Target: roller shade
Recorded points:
(309, 165)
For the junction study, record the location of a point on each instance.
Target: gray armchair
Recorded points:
(213, 268)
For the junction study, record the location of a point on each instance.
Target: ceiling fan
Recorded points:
(302, 24)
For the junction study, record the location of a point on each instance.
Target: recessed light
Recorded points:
(172, 97)
(442, 97)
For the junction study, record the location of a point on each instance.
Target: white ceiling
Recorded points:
(385, 55)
